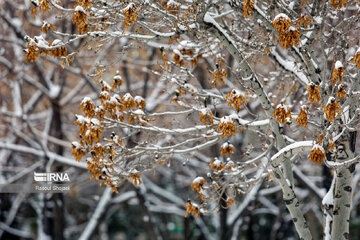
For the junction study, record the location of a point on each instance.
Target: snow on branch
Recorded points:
(291, 150)
(346, 163)
(40, 153)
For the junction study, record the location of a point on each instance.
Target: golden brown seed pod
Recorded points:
(235, 98)
(317, 154)
(226, 126)
(282, 22)
(331, 108)
(227, 149)
(338, 3)
(337, 73)
(314, 93)
(302, 118)
(356, 58)
(282, 114)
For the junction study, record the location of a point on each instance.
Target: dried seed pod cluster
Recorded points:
(236, 99)
(206, 116)
(302, 118)
(103, 153)
(80, 19)
(317, 154)
(282, 114)
(248, 6)
(331, 109)
(219, 73)
(288, 35)
(337, 73)
(226, 126)
(39, 45)
(303, 21)
(356, 58)
(338, 3)
(227, 149)
(192, 208)
(314, 93)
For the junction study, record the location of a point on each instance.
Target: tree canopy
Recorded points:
(224, 98)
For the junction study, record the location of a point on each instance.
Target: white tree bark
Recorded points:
(344, 153)
(100, 208)
(293, 205)
(342, 197)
